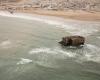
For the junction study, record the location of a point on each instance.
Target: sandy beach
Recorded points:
(76, 15)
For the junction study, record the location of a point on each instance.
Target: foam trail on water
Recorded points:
(24, 61)
(39, 50)
(93, 48)
(6, 44)
(69, 54)
(51, 51)
(48, 57)
(90, 53)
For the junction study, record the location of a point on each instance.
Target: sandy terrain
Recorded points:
(78, 15)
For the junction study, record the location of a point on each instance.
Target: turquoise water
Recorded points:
(29, 50)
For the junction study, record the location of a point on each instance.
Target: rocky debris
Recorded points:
(72, 41)
(72, 4)
(86, 5)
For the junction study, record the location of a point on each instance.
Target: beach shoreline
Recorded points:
(71, 15)
(64, 24)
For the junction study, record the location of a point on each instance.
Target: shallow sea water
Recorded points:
(29, 50)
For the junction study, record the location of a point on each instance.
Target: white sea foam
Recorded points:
(24, 61)
(48, 57)
(91, 57)
(90, 53)
(93, 48)
(52, 51)
(69, 54)
(41, 50)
